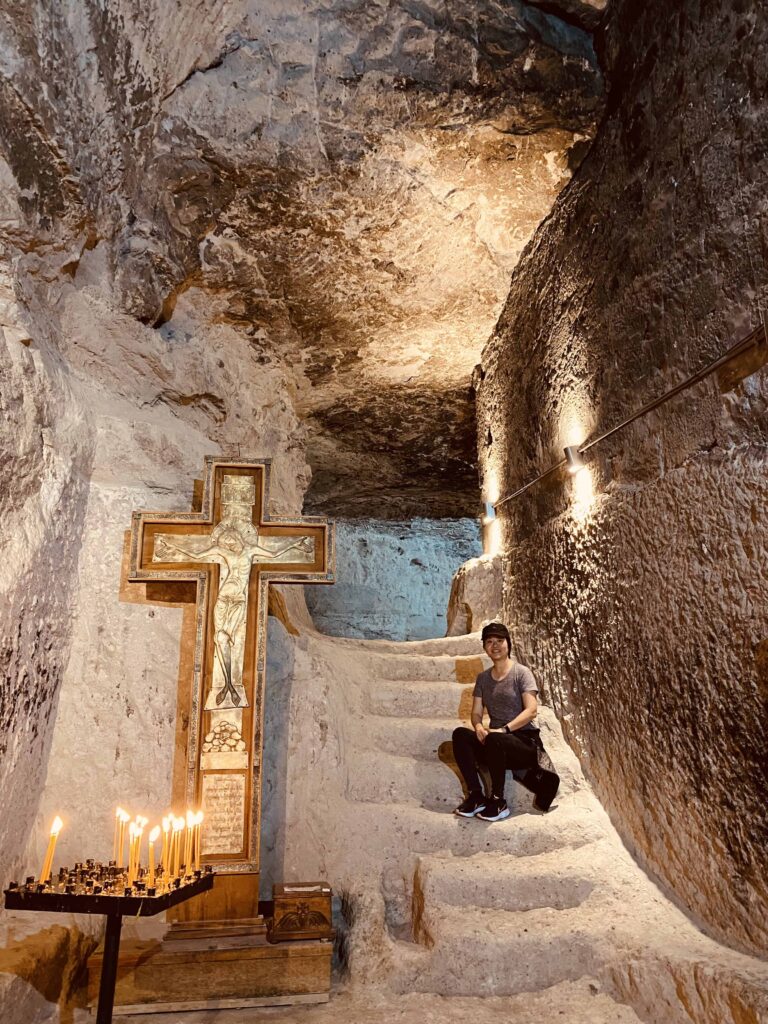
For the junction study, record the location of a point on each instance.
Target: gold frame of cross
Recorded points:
(202, 557)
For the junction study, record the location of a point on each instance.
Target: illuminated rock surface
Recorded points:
(637, 589)
(393, 580)
(287, 230)
(476, 595)
(542, 914)
(276, 229)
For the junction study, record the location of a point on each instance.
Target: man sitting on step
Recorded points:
(508, 691)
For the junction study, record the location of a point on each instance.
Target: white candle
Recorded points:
(178, 825)
(198, 827)
(118, 816)
(137, 851)
(153, 836)
(131, 837)
(55, 829)
(165, 851)
(124, 819)
(188, 842)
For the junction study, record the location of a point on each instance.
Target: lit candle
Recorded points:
(164, 856)
(172, 847)
(198, 824)
(178, 825)
(153, 837)
(115, 847)
(188, 842)
(55, 829)
(124, 819)
(137, 850)
(129, 864)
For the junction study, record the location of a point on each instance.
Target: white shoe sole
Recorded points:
(469, 814)
(498, 817)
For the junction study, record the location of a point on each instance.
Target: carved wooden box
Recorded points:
(302, 911)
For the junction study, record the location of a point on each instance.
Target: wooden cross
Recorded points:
(232, 549)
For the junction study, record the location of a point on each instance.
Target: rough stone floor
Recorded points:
(537, 918)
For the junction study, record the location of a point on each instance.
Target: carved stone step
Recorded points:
(498, 953)
(419, 830)
(559, 880)
(383, 777)
(425, 699)
(419, 738)
(434, 667)
(468, 645)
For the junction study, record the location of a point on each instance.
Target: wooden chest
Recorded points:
(302, 911)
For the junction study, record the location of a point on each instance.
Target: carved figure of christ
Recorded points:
(231, 549)
(234, 545)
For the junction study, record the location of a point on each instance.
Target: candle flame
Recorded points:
(166, 824)
(56, 826)
(190, 819)
(154, 834)
(199, 818)
(119, 812)
(124, 816)
(178, 824)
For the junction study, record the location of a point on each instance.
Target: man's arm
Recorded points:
(526, 716)
(476, 718)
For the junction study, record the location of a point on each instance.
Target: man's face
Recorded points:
(496, 647)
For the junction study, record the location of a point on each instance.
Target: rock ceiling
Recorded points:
(347, 183)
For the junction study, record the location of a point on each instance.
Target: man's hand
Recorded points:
(481, 732)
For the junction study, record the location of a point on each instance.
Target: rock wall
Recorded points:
(350, 185)
(393, 580)
(218, 223)
(98, 424)
(45, 463)
(636, 589)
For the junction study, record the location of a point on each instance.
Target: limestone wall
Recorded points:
(637, 588)
(393, 579)
(210, 213)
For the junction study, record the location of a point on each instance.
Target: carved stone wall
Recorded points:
(348, 186)
(393, 580)
(636, 589)
(218, 225)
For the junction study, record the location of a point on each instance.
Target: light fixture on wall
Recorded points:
(574, 459)
(490, 528)
(573, 456)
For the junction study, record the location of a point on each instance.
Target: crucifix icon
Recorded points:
(232, 549)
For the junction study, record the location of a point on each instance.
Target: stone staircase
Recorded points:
(538, 918)
(533, 904)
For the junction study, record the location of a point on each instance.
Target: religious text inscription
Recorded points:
(223, 809)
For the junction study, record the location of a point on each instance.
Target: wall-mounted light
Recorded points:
(490, 525)
(574, 459)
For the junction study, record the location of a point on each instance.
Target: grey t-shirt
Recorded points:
(504, 697)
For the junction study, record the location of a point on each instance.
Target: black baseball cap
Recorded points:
(497, 629)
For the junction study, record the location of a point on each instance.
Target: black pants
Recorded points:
(500, 751)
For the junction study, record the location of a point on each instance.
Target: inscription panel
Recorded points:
(224, 813)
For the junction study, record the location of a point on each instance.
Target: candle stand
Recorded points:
(112, 906)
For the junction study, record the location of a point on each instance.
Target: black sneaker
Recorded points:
(495, 810)
(474, 803)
